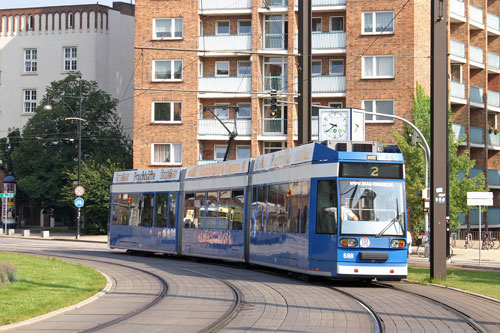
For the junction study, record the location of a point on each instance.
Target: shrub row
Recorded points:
(7, 273)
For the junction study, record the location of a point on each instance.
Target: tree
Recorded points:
(7, 146)
(460, 165)
(48, 150)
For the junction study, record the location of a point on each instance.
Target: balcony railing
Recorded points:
(238, 84)
(326, 84)
(457, 7)
(325, 40)
(494, 98)
(214, 127)
(275, 41)
(493, 216)
(476, 135)
(476, 15)
(493, 22)
(475, 172)
(278, 83)
(226, 43)
(459, 131)
(328, 2)
(314, 126)
(493, 139)
(476, 95)
(224, 4)
(457, 49)
(274, 3)
(273, 126)
(457, 89)
(493, 177)
(493, 60)
(476, 54)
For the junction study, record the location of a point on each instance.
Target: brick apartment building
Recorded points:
(366, 54)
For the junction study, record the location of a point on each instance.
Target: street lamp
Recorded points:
(48, 107)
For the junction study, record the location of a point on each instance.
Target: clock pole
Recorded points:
(304, 111)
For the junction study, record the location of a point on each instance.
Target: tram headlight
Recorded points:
(398, 243)
(349, 242)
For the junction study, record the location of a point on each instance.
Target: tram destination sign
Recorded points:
(371, 170)
(6, 195)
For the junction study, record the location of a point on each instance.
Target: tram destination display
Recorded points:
(371, 170)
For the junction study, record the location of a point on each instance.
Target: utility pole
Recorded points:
(304, 111)
(439, 138)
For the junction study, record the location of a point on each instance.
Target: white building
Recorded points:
(40, 45)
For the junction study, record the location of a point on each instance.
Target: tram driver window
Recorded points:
(326, 212)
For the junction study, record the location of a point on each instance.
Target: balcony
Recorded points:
(274, 6)
(326, 85)
(326, 5)
(213, 127)
(476, 137)
(457, 93)
(476, 57)
(314, 127)
(278, 83)
(273, 127)
(326, 42)
(493, 178)
(493, 100)
(476, 97)
(493, 63)
(493, 138)
(457, 11)
(226, 43)
(275, 41)
(459, 131)
(224, 7)
(493, 25)
(240, 86)
(475, 18)
(457, 52)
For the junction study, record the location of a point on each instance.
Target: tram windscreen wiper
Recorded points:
(393, 221)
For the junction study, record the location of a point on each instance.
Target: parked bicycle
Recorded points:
(423, 250)
(469, 242)
(489, 242)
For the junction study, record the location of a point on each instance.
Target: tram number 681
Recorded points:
(348, 255)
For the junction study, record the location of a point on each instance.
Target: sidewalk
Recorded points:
(65, 236)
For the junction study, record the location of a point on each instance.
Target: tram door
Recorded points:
(322, 245)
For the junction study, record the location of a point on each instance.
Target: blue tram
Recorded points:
(310, 209)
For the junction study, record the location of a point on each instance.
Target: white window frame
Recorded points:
(331, 25)
(216, 147)
(374, 117)
(172, 108)
(273, 149)
(217, 28)
(172, 28)
(72, 60)
(321, 25)
(249, 74)
(374, 20)
(243, 147)
(374, 64)
(330, 67)
(172, 67)
(246, 33)
(244, 117)
(29, 104)
(321, 65)
(222, 106)
(228, 68)
(335, 104)
(32, 63)
(173, 146)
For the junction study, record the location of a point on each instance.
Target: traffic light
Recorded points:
(274, 101)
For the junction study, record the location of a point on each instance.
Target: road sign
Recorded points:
(79, 202)
(6, 195)
(79, 191)
(479, 198)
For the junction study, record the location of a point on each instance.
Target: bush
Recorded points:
(7, 273)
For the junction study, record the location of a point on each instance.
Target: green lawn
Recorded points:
(44, 285)
(484, 283)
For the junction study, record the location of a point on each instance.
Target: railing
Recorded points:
(214, 127)
(494, 218)
(224, 4)
(475, 172)
(457, 89)
(476, 135)
(493, 21)
(275, 41)
(225, 84)
(314, 126)
(202, 162)
(476, 95)
(226, 43)
(273, 126)
(278, 83)
(457, 7)
(274, 3)
(493, 139)
(457, 49)
(493, 177)
(326, 84)
(328, 3)
(493, 60)
(325, 40)
(475, 14)
(494, 98)
(458, 130)
(476, 54)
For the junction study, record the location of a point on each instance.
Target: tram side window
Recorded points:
(282, 218)
(116, 209)
(303, 207)
(294, 207)
(135, 209)
(210, 216)
(272, 206)
(171, 213)
(123, 210)
(257, 208)
(223, 219)
(199, 210)
(161, 210)
(326, 210)
(147, 210)
(189, 210)
(237, 208)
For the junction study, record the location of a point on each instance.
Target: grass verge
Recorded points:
(43, 285)
(484, 283)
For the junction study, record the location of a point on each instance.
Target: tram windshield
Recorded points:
(372, 208)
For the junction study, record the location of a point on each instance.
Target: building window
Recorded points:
(222, 68)
(244, 111)
(272, 146)
(378, 22)
(167, 70)
(166, 153)
(70, 59)
(316, 24)
(244, 27)
(167, 28)
(30, 60)
(242, 152)
(222, 28)
(336, 67)
(275, 73)
(244, 68)
(456, 72)
(275, 32)
(29, 101)
(222, 111)
(316, 67)
(379, 106)
(219, 152)
(335, 105)
(378, 67)
(336, 23)
(70, 20)
(167, 112)
(31, 23)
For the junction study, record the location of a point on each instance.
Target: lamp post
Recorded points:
(48, 107)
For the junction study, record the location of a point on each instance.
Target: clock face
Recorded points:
(334, 125)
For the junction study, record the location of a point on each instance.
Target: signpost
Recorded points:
(6, 195)
(479, 199)
(79, 191)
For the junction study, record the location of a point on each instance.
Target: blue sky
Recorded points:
(6, 4)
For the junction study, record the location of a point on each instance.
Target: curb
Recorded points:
(103, 292)
(56, 238)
